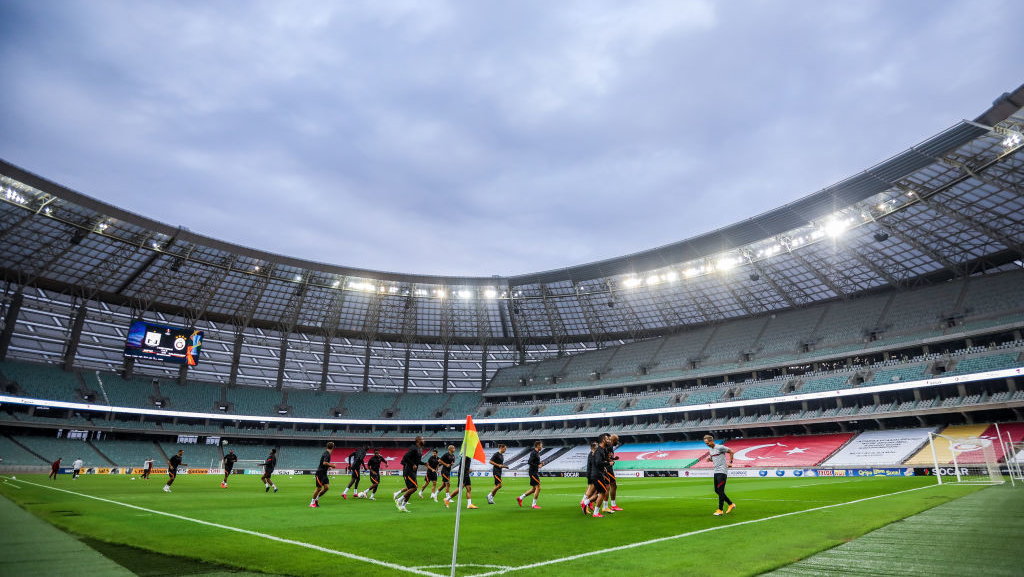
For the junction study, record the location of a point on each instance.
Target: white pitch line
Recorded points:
(6, 482)
(689, 534)
(448, 566)
(248, 532)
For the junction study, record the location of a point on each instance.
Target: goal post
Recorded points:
(1014, 460)
(969, 461)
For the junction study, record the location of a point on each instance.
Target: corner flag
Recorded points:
(471, 446)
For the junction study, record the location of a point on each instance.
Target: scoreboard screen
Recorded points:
(163, 343)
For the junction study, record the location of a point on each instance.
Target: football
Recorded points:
(361, 495)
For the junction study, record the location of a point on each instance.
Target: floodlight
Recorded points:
(336, 284)
(725, 263)
(671, 276)
(464, 294)
(490, 293)
(631, 282)
(836, 227)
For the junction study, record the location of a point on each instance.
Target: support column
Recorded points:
(71, 349)
(9, 320)
(283, 353)
(366, 367)
(483, 367)
(405, 373)
(326, 364)
(444, 372)
(236, 357)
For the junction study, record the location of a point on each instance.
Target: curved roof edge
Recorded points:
(777, 221)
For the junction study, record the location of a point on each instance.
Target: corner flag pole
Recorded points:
(471, 449)
(458, 513)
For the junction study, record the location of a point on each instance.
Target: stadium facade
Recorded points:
(891, 299)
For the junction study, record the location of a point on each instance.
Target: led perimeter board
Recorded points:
(163, 343)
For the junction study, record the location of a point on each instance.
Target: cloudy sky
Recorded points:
(480, 138)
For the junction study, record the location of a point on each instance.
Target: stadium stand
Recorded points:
(788, 451)
(14, 453)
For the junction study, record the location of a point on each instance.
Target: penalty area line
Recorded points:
(689, 534)
(352, 556)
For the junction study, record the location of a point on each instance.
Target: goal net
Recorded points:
(1015, 460)
(965, 460)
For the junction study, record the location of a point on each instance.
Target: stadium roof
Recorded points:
(950, 206)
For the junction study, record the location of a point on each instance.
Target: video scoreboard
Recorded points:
(163, 343)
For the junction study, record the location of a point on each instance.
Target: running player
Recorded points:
(355, 463)
(613, 484)
(147, 468)
(589, 493)
(598, 466)
(447, 462)
(268, 469)
(76, 468)
(323, 484)
(432, 464)
(410, 463)
(534, 465)
(498, 463)
(467, 483)
(229, 463)
(54, 468)
(717, 454)
(172, 469)
(373, 465)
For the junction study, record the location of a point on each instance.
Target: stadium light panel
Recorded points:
(464, 294)
(835, 227)
(631, 282)
(725, 264)
(490, 293)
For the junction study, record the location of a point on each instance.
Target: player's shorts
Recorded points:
(268, 471)
(446, 476)
(600, 485)
(321, 479)
(467, 480)
(720, 479)
(410, 476)
(355, 473)
(497, 480)
(374, 478)
(535, 480)
(227, 470)
(431, 476)
(609, 478)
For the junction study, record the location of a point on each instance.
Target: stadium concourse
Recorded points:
(843, 332)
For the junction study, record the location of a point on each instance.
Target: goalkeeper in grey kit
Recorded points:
(717, 454)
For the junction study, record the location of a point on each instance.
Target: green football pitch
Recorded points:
(666, 528)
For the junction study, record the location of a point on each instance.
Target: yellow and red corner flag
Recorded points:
(471, 446)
